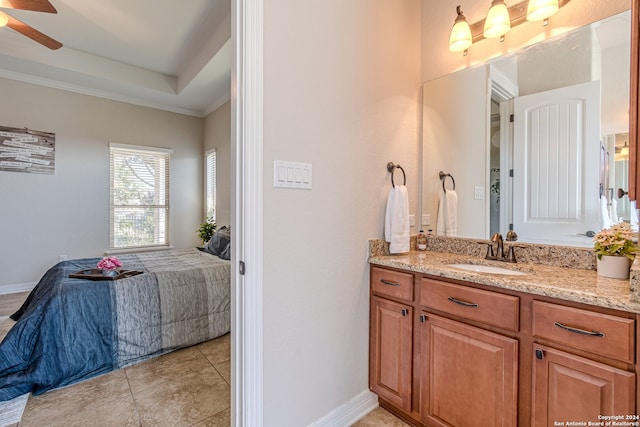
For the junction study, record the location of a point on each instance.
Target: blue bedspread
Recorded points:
(73, 329)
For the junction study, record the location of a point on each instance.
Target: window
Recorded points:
(210, 184)
(139, 207)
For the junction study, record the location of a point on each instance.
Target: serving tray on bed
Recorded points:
(97, 274)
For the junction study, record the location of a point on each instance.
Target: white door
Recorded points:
(556, 163)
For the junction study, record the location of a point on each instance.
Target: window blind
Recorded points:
(211, 183)
(139, 206)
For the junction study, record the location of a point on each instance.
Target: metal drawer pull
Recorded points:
(579, 331)
(389, 282)
(466, 304)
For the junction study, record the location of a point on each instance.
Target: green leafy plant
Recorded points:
(207, 229)
(615, 241)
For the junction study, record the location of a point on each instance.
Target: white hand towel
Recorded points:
(604, 212)
(396, 224)
(451, 214)
(447, 221)
(440, 227)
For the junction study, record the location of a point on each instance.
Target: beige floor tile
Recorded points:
(10, 303)
(217, 350)
(379, 417)
(221, 419)
(196, 397)
(5, 325)
(224, 369)
(101, 401)
(169, 367)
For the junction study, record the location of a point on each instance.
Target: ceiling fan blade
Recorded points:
(33, 34)
(34, 5)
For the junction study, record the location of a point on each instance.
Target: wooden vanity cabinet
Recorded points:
(391, 337)
(570, 387)
(448, 353)
(469, 375)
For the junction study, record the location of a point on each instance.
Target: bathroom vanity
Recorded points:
(453, 347)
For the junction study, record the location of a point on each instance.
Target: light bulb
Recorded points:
(539, 10)
(4, 19)
(460, 38)
(498, 22)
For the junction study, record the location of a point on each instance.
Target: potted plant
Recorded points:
(206, 230)
(615, 250)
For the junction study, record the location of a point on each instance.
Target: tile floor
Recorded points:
(188, 387)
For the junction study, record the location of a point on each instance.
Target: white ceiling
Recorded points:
(170, 55)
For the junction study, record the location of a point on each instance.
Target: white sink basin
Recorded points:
(487, 269)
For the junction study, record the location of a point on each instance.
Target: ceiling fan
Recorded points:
(24, 29)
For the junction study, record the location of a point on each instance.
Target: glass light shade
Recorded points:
(539, 10)
(4, 19)
(624, 151)
(498, 22)
(460, 39)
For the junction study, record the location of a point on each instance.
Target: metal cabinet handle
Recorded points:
(404, 312)
(578, 330)
(389, 282)
(466, 304)
(422, 318)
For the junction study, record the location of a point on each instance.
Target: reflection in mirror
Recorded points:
(535, 139)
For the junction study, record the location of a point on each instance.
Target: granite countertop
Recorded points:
(578, 285)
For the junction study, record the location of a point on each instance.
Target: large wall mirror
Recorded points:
(536, 141)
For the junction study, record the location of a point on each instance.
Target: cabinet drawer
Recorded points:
(602, 334)
(392, 283)
(491, 308)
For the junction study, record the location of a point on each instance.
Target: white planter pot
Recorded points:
(615, 267)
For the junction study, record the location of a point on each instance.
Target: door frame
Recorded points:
(247, 213)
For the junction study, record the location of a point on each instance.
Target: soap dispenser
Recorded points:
(421, 241)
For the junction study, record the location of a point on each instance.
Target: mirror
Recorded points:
(553, 173)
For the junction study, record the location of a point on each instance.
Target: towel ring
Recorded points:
(443, 177)
(391, 167)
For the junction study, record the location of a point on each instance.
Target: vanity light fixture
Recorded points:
(460, 38)
(4, 19)
(497, 23)
(624, 151)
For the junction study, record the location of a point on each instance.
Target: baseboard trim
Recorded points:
(349, 412)
(14, 289)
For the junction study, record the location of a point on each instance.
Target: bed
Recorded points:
(72, 329)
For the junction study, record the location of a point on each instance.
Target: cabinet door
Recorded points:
(571, 388)
(391, 351)
(469, 375)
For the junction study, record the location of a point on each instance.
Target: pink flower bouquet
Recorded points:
(109, 263)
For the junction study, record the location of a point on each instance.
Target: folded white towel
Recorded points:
(396, 224)
(604, 212)
(447, 221)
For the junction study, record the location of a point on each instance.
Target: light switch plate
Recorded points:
(479, 192)
(426, 219)
(412, 220)
(292, 175)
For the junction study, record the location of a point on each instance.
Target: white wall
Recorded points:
(217, 134)
(44, 216)
(341, 84)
